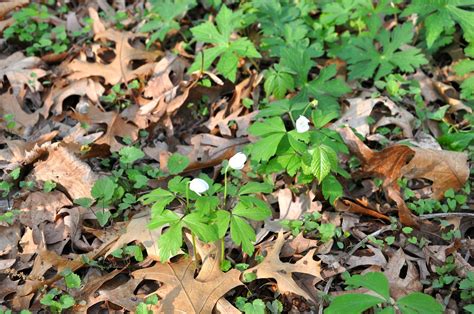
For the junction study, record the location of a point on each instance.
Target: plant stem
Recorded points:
(222, 250)
(225, 185)
(193, 236)
(292, 119)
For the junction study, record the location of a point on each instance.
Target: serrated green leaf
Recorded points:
(170, 242)
(248, 210)
(242, 234)
(331, 189)
(160, 197)
(267, 127)
(103, 189)
(73, 281)
(197, 224)
(278, 83)
(130, 154)
(166, 217)
(227, 65)
(255, 187)
(266, 148)
(324, 159)
(103, 217)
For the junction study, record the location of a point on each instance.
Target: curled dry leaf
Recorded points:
(62, 167)
(22, 71)
(273, 267)
(444, 168)
(361, 108)
(401, 286)
(136, 231)
(24, 122)
(182, 293)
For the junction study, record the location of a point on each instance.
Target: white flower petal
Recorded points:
(198, 186)
(237, 161)
(302, 124)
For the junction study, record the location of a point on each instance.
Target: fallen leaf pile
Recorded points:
(66, 117)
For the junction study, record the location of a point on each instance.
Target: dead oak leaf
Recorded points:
(23, 122)
(406, 284)
(135, 231)
(116, 126)
(121, 68)
(65, 169)
(22, 71)
(273, 267)
(182, 293)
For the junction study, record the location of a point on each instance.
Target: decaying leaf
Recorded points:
(273, 267)
(137, 231)
(401, 285)
(23, 121)
(120, 69)
(65, 169)
(22, 71)
(182, 293)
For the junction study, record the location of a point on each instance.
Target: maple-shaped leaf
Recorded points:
(182, 293)
(273, 267)
(365, 59)
(441, 15)
(121, 68)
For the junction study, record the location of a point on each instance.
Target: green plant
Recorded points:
(311, 222)
(134, 251)
(160, 20)
(308, 153)
(33, 29)
(204, 211)
(467, 287)
(465, 67)
(445, 276)
(57, 301)
(144, 307)
(119, 94)
(365, 59)
(440, 16)
(224, 47)
(415, 302)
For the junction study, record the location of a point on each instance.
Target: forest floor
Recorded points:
(260, 156)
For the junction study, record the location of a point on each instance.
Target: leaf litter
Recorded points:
(64, 125)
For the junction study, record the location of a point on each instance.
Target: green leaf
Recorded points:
(324, 159)
(160, 197)
(246, 208)
(266, 148)
(66, 301)
(103, 217)
(141, 308)
(170, 242)
(244, 48)
(227, 65)
(197, 224)
(177, 163)
(104, 189)
(255, 187)
(331, 188)
(130, 154)
(267, 127)
(327, 231)
(242, 234)
(208, 33)
(166, 217)
(354, 303)
(374, 281)
(256, 307)
(72, 280)
(278, 83)
(419, 303)
(84, 202)
(222, 222)
(135, 251)
(207, 204)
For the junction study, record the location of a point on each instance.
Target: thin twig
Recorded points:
(442, 215)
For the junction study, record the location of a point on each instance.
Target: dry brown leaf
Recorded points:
(116, 126)
(59, 92)
(62, 167)
(182, 293)
(297, 245)
(346, 205)
(446, 169)
(273, 267)
(121, 67)
(7, 6)
(136, 231)
(361, 108)
(401, 286)
(9, 238)
(24, 122)
(22, 71)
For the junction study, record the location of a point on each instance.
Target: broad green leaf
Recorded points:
(419, 303)
(66, 301)
(166, 217)
(197, 224)
(208, 33)
(353, 303)
(267, 127)
(205, 62)
(374, 281)
(141, 308)
(227, 65)
(103, 217)
(278, 83)
(170, 242)
(222, 222)
(84, 202)
(177, 163)
(242, 234)
(130, 154)
(248, 210)
(207, 204)
(324, 159)
(266, 148)
(103, 189)
(161, 198)
(255, 187)
(331, 188)
(72, 280)
(256, 307)
(244, 48)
